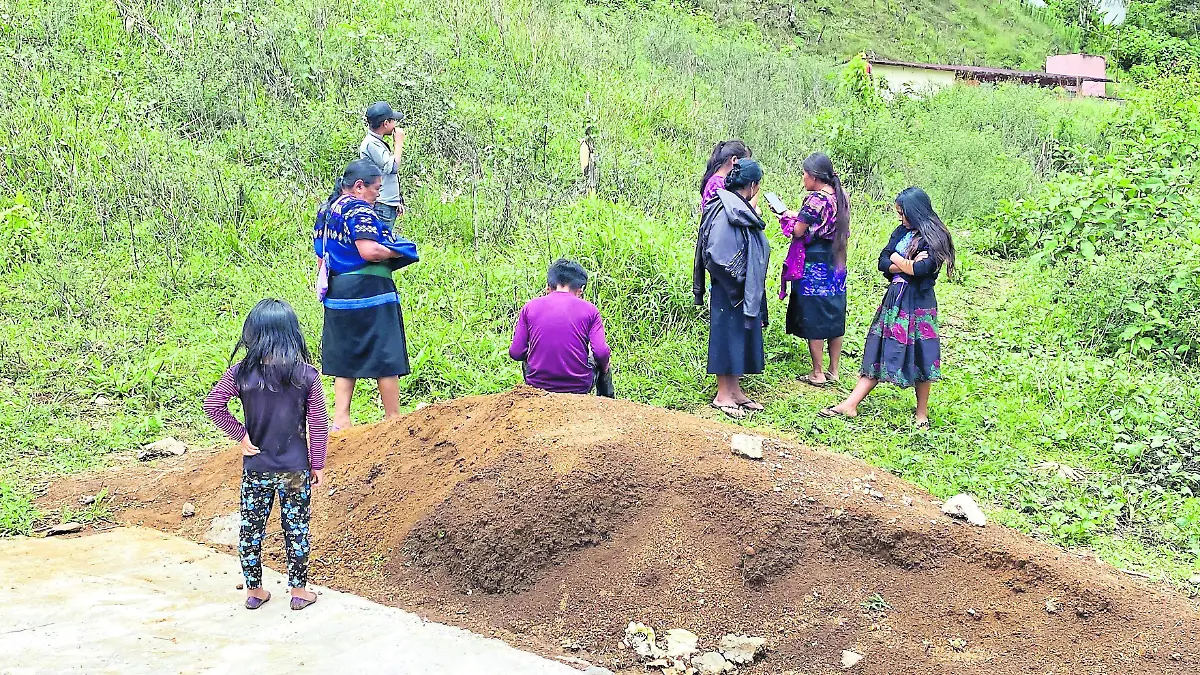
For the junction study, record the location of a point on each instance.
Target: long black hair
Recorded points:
(921, 217)
(274, 344)
(723, 152)
(359, 169)
(819, 166)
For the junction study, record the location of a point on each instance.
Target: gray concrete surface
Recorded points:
(134, 601)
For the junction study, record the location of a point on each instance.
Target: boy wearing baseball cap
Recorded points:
(382, 124)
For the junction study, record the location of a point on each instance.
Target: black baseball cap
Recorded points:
(380, 112)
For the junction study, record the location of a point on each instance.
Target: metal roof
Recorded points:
(984, 73)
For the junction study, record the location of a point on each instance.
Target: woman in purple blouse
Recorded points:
(816, 267)
(724, 155)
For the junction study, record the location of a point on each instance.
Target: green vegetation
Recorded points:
(162, 162)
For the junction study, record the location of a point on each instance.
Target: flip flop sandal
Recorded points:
(300, 603)
(807, 379)
(923, 425)
(830, 413)
(753, 406)
(254, 603)
(733, 411)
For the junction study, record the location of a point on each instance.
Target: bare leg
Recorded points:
(343, 392)
(815, 349)
(389, 393)
(922, 389)
(728, 390)
(835, 355)
(849, 407)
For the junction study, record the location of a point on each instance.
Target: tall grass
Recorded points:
(163, 161)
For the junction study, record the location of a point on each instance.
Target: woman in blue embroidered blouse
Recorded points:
(903, 346)
(363, 335)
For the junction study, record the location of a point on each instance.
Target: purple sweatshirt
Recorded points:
(554, 336)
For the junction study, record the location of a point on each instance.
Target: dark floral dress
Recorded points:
(903, 345)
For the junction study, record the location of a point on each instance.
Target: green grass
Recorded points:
(164, 190)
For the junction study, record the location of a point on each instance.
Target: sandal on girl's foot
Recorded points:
(300, 603)
(733, 411)
(808, 379)
(922, 425)
(253, 602)
(751, 405)
(832, 412)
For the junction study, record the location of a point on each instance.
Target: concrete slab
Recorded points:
(133, 600)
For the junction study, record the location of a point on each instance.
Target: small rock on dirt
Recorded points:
(65, 528)
(189, 510)
(908, 501)
(1053, 606)
(964, 506)
(87, 500)
(1195, 579)
(101, 402)
(681, 643)
(225, 529)
(742, 649)
(712, 663)
(750, 447)
(167, 447)
(850, 658)
(640, 638)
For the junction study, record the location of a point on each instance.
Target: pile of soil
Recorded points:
(550, 520)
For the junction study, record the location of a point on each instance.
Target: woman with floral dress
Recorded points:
(903, 346)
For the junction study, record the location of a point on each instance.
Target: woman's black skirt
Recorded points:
(817, 306)
(363, 335)
(732, 348)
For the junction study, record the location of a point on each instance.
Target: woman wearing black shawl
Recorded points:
(732, 248)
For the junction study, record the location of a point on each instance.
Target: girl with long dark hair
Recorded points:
(815, 267)
(732, 249)
(722, 160)
(903, 345)
(363, 335)
(282, 440)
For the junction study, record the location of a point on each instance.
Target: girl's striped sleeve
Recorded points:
(216, 406)
(318, 425)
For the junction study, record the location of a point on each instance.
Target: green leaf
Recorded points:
(1087, 249)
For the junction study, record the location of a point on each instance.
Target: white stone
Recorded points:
(681, 643)
(850, 658)
(225, 529)
(712, 663)
(162, 448)
(747, 446)
(964, 506)
(640, 638)
(189, 510)
(742, 649)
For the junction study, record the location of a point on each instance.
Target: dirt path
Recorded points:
(551, 520)
(134, 600)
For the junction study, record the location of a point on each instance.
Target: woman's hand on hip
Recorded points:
(248, 449)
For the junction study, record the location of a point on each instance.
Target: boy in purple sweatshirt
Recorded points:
(560, 337)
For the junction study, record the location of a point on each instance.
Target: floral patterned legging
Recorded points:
(258, 494)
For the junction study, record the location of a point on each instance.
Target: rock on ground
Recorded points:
(166, 447)
(681, 643)
(641, 639)
(850, 658)
(964, 506)
(747, 446)
(742, 649)
(225, 529)
(712, 663)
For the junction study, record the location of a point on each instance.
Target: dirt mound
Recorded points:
(548, 520)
